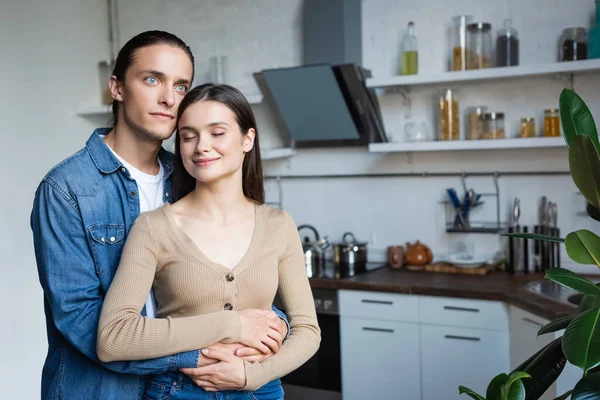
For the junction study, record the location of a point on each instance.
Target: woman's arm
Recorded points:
(123, 334)
(305, 335)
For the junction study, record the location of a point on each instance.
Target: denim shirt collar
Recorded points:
(107, 163)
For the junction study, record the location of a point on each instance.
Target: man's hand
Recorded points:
(227, 373)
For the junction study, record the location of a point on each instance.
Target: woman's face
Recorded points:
(211, 143)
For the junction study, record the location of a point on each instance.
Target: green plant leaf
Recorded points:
(584, 165)
(535, 236)
(581, 341)
(576, 118)
(556, 325)
(514, 389)
(545, 366)
(588, 303)
(572, 280)
(494, 389)
(564, 396)
(470, 393)
(583, 247)
(588, 388)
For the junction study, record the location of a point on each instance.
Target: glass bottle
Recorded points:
(573, 44)
(459, 42)
(551, 122)
(479, 48)
(493, 126)
(474, 129)
(527, 127)
(449, 121)
(410, 55)
(507, 46)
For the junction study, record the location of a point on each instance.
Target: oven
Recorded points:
(320, 378)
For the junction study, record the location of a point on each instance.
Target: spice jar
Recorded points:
(479, 49)
(573, 42)
(551, 122)
(449, 128)
(459, 42)
(474, 120)
(492, 126)
(527, 127)
(507, 46)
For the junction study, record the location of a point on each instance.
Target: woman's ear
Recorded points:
(248, 140)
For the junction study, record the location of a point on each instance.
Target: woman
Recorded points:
(218, 248)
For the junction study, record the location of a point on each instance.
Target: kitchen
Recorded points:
(386, 194)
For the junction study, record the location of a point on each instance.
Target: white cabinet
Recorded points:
(380, 359)
(452, 356)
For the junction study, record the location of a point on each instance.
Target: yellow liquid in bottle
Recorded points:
(410, 62)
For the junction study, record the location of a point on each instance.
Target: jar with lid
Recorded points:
(479, 49)
(551, 122)
(507, 46)
(573, 44)
(449, 128)
(492, 126)
(458, 58)
(527, 127)
(474, 122)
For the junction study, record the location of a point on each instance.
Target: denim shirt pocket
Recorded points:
(107, 242)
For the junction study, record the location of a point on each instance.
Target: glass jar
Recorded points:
(527, 127)
(507, 46)
(479, 49)
(449, 128)
(492, 126)
(551, 122)
(458, 57)
(573, 44)
(474, 121)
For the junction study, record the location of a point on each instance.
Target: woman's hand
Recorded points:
(260, 329)
(226, 373)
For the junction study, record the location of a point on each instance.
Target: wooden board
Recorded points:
(452, 269)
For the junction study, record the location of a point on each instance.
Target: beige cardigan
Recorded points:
(195, 295)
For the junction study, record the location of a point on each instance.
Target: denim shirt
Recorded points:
(82, 212)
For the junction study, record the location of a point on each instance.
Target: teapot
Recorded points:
(418, 254)
(314, 257)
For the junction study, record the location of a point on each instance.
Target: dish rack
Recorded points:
(453, 222)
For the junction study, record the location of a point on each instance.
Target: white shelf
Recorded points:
(488, 74)
(457, 145)
(100, 110)
(273, 154)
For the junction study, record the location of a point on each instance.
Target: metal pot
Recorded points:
(350, 253)
(314, 258)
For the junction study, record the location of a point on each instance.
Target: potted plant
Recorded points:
(580, 343)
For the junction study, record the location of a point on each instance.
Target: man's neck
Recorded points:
(139, 152)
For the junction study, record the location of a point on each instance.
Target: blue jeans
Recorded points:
(177, 386)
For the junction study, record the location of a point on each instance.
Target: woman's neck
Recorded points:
(222, 201)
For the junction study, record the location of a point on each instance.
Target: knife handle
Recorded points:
(557, 259)
(525, 252)
(536, 250)
(510, 266)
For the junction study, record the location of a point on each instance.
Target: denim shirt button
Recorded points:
(167, 194)
(132, 193)
(123, 170)
(112, 238)
(102, 239)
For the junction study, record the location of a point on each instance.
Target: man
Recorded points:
(83, 210)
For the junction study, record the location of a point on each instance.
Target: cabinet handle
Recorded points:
(532, 322)
(475, 310)
(378, 302)
(472, 339)
(366, 328)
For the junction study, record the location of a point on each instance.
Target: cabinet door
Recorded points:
(380, 359)
(451, 357)
(524, 341)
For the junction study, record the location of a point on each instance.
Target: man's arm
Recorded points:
(72, 288)
(283, 317)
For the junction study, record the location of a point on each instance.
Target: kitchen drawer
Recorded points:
(464, 313)
(381, 306)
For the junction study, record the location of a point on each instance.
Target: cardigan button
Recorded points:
(228, 307)
(229, 277)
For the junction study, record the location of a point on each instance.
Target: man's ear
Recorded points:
(115, 88)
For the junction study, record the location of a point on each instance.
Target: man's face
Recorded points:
(154, 85)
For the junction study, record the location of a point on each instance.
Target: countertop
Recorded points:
(497, 286)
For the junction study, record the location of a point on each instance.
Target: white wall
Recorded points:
(54, 48)
(49, 55)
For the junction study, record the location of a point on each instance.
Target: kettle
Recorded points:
(314, 257)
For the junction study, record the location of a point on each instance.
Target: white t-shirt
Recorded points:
(150, 190)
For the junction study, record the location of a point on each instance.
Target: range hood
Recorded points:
(323, 105)
(325, 102)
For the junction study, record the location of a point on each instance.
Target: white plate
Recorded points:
(462, 261)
